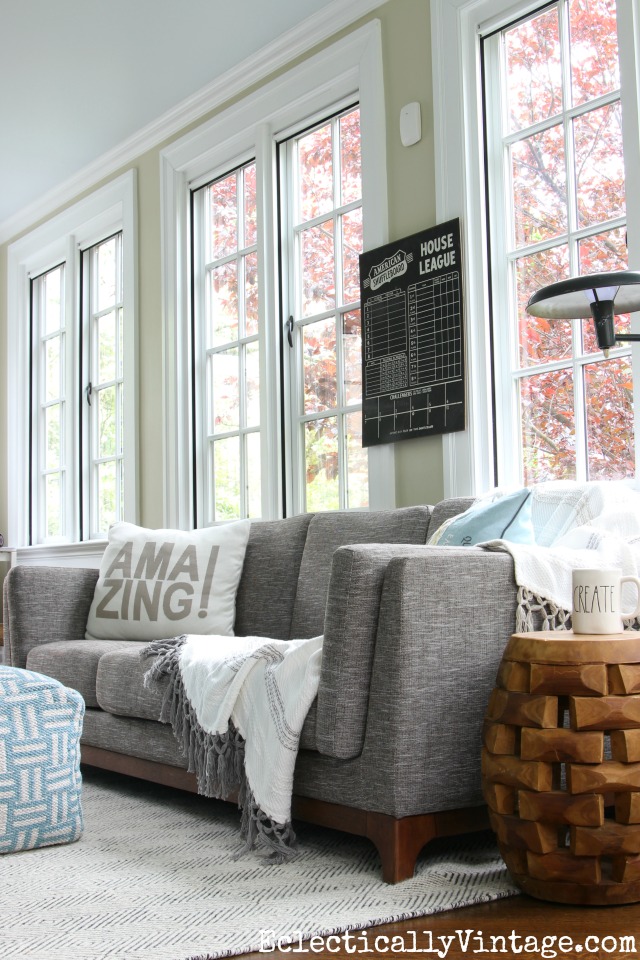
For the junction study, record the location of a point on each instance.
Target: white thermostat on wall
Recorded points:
(410, 124)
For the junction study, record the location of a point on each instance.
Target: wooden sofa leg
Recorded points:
(399, 842)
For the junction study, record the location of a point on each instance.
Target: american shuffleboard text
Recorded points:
(413, 356)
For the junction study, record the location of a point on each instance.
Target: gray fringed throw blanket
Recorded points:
(237, 706)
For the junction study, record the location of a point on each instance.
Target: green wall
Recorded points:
(407, 73)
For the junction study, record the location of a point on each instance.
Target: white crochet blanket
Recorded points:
(594, 525)
(237, 706)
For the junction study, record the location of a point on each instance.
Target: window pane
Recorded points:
(250, 209)
(319, 357)
(533, 71)
(594, 48)
(352, 352)
(539, 187)
(321, 460)
(315, 174)
(52, 382)
(107, 275)
(226, 467)
(120, 421)
(357, 463)
(107, 328)
(548, 426)
(53, 505)
(107, 495)
(53, 428)
(351, 250)
(223, 304)
(610, 436)
(599, 165)
(225, 390)
(541, 341)
(52, 300)
(317, 269)
(223, 207)
(106, 414)
(350, 176)
(251, 294)
(604, 251)
(254, 493)
(120, 345)
(252, 389)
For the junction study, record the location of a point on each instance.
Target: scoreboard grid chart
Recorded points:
(435, 334)
(413, 337)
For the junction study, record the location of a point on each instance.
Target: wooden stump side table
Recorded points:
(561, 765)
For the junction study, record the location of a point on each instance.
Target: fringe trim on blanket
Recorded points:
(217, 759)
(533, 612)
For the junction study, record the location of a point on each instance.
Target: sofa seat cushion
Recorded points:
(73, 662)
(120, 685)
(120, 690)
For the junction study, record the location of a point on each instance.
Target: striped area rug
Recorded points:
(153, 878)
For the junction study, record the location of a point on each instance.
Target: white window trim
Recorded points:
(456, 25)
(351, 66)
(107, 210)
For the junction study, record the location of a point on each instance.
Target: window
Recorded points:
(320, 219)
(322, 237)
(72, 388)
(103, 385)
(49, 403)
(558, 83)
(557, 201)
(262, 325)
(226, 347)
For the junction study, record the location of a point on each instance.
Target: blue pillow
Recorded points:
(506, 518)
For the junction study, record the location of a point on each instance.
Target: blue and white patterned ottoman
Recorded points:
(40, 781)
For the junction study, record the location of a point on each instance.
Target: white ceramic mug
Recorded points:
(597, 601)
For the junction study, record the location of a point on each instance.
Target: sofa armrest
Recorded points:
(445, 619)
(42, 604)
(350, 625)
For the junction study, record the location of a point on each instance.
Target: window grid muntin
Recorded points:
(297, 226)
(240, 343)
(571, 237)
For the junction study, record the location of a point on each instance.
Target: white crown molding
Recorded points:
(295, 42)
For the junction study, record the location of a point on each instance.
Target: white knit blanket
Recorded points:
(237, 706)
(589, 525)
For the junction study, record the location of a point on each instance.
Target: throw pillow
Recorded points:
(156, 584)
(506, 517)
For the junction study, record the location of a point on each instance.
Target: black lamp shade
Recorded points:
(569, 299)
(597, 295)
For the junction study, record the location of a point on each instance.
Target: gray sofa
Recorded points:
(413, 638)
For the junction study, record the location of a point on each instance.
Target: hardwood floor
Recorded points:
(521, 916)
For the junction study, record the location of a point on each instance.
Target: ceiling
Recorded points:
(79, 78)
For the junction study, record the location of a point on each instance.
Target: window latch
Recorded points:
(290, 330)
(88, 391)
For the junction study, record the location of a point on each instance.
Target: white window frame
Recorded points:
(351, 67)
(456, 28)
(111, 209)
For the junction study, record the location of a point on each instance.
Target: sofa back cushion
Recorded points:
(447, 509)
(327, 532)
(267, 588)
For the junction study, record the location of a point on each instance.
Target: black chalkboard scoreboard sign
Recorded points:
(413, 380)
